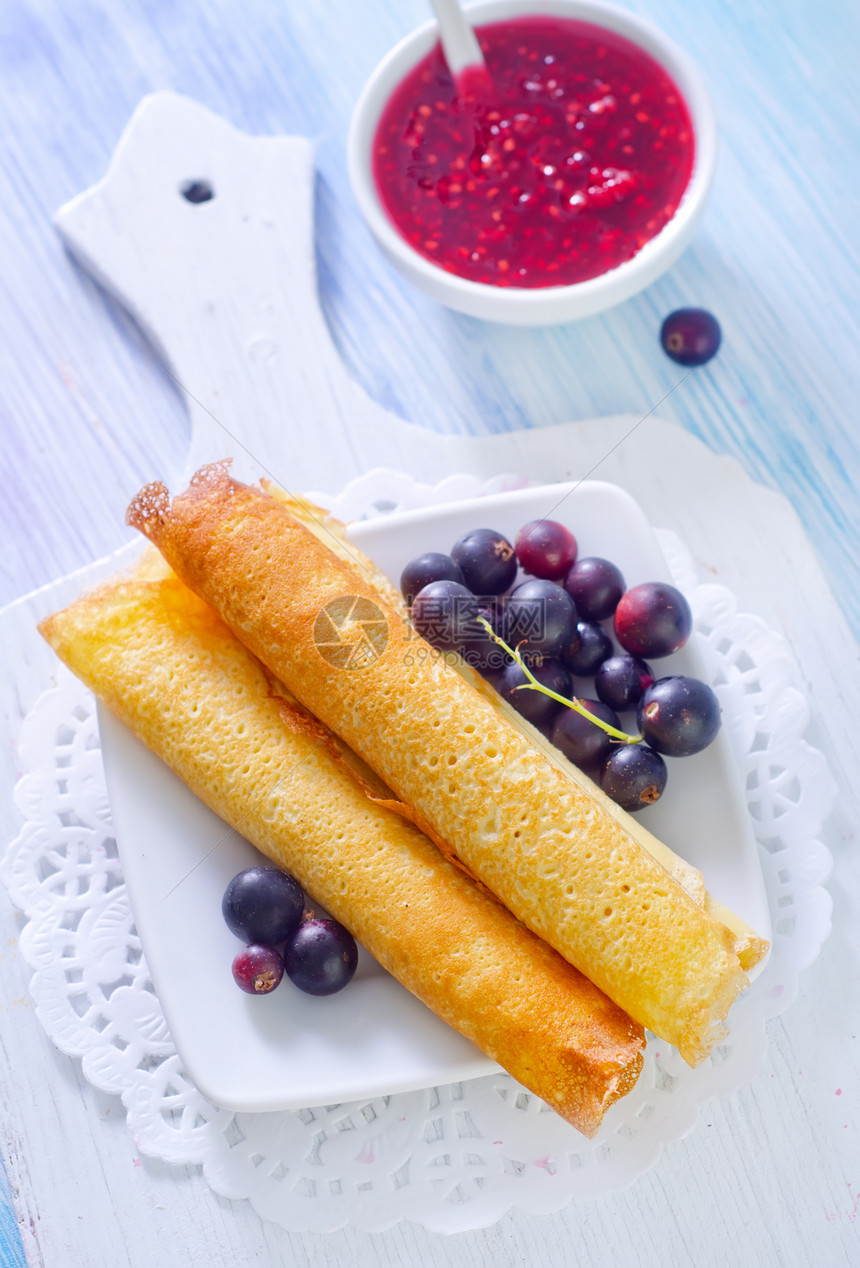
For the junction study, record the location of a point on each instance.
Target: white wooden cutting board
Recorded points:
(226, 290)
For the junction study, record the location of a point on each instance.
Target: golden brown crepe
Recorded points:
(165, 663)
(749, 947)
(516, 819)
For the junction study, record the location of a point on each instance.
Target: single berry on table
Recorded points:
(690, 336)
(431, 566)
(487, 560)
(620, 681)
(533, 705)
(595, 585)
(321, 957)
(653, 619)
(679, 715)
(546, 549)
(258, 969)
(542, 617)
(591, 647)
(634, 776)
(581, 741)
(445, 613)
(263, 905)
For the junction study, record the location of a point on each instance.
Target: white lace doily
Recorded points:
(449, 1158)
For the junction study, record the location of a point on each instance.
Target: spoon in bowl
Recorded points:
(461, 49)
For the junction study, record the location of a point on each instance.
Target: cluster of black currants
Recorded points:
(532, 639)
(265, 907)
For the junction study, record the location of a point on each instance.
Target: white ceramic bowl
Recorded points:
(548, 305)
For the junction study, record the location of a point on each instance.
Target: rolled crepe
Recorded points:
(537, 839)
(749, 946)
(165, 663)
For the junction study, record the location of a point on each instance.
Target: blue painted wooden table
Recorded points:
(88, 415)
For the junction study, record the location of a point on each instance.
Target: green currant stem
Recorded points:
(534, 685)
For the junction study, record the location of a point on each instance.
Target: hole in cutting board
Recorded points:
(197, 191)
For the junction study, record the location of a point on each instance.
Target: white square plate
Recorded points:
(289, 1050)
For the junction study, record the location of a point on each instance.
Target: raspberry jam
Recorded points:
(577, 156)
